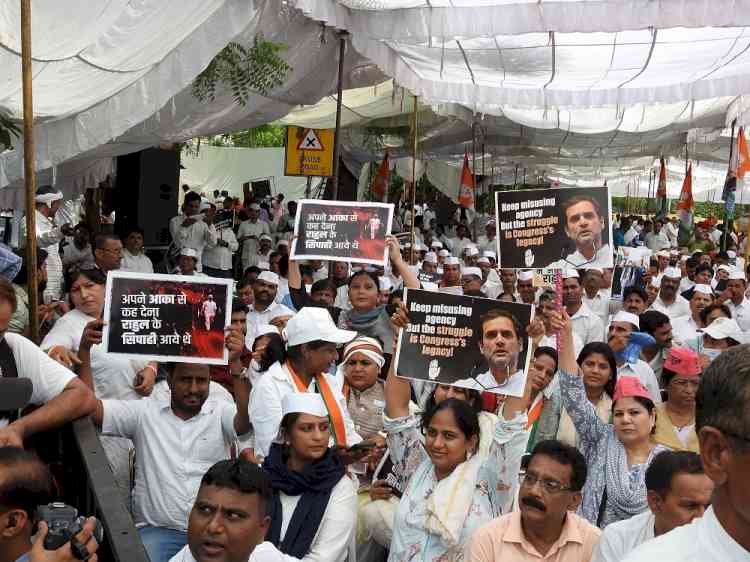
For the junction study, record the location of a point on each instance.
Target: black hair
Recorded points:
(22, 277)
(191, 196)
(668, 464)
(239, 306)
(100, 240)
(371, 274)
(94, 274)
(548, 351)
(465, 415)
(243, 476)
(242, 283)
(602, 349)
(640, 291)
(284, 265)
(548, 296)
(274, 352)
(473, 398)
(82, 226)
(323, 285)
(502, 313)
(295, 352)
(565, 455)
(710, 308)
(28, 483)
(652, 320)
(252, 269)
(723, 398)
(127, 231)
(703, 267)
(581, 199)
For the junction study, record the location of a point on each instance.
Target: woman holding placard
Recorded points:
(457, 473)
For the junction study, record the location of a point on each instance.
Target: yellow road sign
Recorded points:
(309, 152)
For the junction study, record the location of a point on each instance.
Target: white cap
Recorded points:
(490, 254)
(623, 316)
(313, 323)
(266, 237)
(304, 403)
(673, 273)
(656, 281)
(430, 257)
(727, 268)
(736, 274)
(436, 244)
(430, 286)
(674, 252)
(189, 252)
(385, 283)
(731, 254)
(597, 269)
(705, 289)
(283, 242)
(724, 328)
(406, 246)
(525, 275)
(471, 271)
(471, 251)
(662, 254)
(684, 258)
(451, 260)
(484, 260)
(205, 206)
(569, 274)
(264, 265)
(269, 277)
(418, 247)
(264, 330)
(444, 253)
(255, 207)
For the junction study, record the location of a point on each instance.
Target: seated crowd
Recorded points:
(629, 440)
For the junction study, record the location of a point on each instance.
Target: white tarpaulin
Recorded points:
(225, 168)
(139, 95)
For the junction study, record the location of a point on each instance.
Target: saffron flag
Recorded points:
(466, 189)
(685, 204)
(382, 180)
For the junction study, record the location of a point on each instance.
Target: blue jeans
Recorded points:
(162, 543)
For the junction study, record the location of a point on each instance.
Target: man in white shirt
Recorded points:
(671, 229)
(249, 234)
(657, 239)
(586, 325)
(49, 236)
(735, 299)
(657, 325)
(501, 346)
(229, 519)
(60, 395)
(525, 285)
(175, 443)
(209, 311)
(191, 229)
(678, 492)
(584, 225)
(623, 324)
(310, 333)
(187, 263)
(217, 259)
(79, 253)
(723, 426)
(133, 256)
(668, 301)
(488, 242)
(594, 296)
(546, 308)
(685, 328)
(264, 309)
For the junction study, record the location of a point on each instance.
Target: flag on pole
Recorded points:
(739, 165)
(685, 206)
(381, 181)
(466, 189)
(661, 189)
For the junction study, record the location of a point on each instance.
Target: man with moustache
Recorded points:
(265, 309)
(546, 526)
(584, 225)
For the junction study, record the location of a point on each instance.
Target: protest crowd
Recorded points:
(625, 439)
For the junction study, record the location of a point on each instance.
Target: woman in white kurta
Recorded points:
(113, 377)
(457, 477)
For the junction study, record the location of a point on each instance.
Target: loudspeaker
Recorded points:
(147, 192)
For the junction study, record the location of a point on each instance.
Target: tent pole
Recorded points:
(414, 180)
(308, 187)
(727, 221)
(474, 173)
(337, 135)
(29, 171)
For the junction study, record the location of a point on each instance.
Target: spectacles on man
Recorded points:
(548, 485)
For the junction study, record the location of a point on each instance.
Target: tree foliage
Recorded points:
(243, 71)
(8, 129)
(257, 137)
